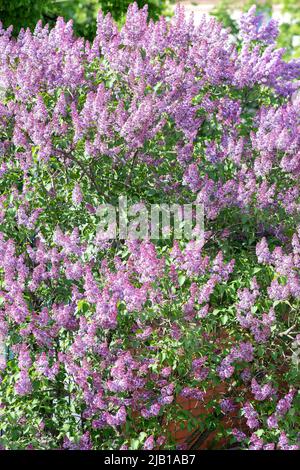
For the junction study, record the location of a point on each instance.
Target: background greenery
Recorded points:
(26, 13)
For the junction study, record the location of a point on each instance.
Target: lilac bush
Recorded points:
(105, 339)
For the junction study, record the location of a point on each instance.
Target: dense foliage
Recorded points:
(107, 340)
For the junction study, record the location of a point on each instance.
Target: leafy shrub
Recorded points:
(104, 339)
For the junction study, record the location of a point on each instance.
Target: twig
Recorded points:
(85, 170)
(286, 332)
(129, 176)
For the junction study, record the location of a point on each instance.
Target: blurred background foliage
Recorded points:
(84, 12)
(290, 29)
(225, 9)
(26, 13)
(289, 37)
(22, 13)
